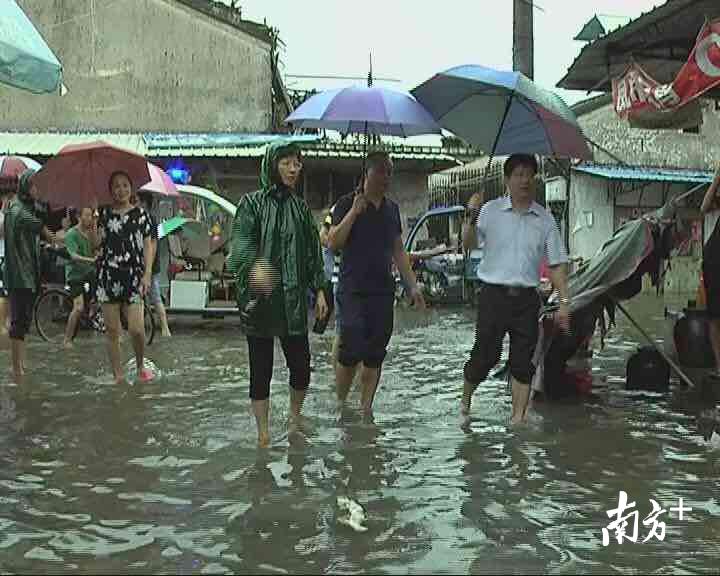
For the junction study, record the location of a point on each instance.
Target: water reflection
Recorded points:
(165, 478)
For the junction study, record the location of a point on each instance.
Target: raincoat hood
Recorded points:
(269, 175)
(24, 186)
(275, 227)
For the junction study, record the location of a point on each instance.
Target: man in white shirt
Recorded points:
(516, 234)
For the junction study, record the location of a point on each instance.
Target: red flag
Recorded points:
(635, 91)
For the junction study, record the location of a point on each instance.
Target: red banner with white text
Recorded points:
(636, 91)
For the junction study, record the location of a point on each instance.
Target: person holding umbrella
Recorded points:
(516, 233)
(124, 271)
(276, 259)
(23, 229)
(367, 228)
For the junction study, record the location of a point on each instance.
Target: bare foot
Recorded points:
(146, 375)
(516, 420)
(296, 425)
(263, 441)
(368, 417)
(68, 345)
(120, 379)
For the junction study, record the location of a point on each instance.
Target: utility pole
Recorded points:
(523, 57)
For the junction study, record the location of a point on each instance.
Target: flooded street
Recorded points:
(166, 478)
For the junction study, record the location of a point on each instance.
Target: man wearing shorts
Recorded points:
(711, 268)
(366, 227)
(81, 241)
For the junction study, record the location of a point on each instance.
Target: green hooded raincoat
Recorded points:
(276, 225)
(22, 240)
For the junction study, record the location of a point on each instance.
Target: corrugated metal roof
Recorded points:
(669, 29)
(220, 140)
(49, 143)
(219, 152)
(397, 155)
(221, 145)
(615, 172)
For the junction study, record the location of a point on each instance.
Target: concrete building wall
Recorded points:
(661, 148)
(610, 208)
(591, 215)
(143, 66)
(671, 148)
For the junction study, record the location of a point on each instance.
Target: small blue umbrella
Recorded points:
(364, 109)
(26, 61)
(502, 113)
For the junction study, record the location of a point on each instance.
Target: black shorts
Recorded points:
(78, 289)
(711, 280)
(366, 328)
(22, 302)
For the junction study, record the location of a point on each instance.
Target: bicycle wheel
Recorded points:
(149, 324)
(52, 311)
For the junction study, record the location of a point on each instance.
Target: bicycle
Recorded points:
(54, 305)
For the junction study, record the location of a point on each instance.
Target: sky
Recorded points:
(411, 40)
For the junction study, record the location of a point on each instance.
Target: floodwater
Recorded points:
(166, 478)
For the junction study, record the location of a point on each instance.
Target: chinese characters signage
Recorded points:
(636, 91)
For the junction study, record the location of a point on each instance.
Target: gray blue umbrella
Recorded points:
(502, 113)
(364, 109)
(26, 61)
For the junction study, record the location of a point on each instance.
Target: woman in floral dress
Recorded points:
(124, 271)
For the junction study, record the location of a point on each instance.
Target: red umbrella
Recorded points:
(160, 182)
(78, 175)
(11, 167)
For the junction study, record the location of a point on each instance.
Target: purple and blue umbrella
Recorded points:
(502, 113)
(364, 110)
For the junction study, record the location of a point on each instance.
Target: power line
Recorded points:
(329, 77)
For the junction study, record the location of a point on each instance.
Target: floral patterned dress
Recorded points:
(121, 264)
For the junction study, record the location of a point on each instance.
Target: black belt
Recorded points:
(512, 290)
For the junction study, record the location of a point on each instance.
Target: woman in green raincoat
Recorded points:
(23, 230)
(276, 259)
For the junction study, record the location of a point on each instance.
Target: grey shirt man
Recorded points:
(514, 243)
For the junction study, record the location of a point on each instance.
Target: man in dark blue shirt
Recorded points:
(366, 227)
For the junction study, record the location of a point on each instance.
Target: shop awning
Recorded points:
(648, 174)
